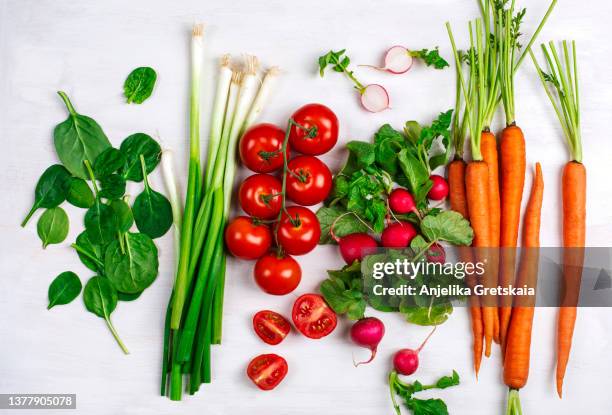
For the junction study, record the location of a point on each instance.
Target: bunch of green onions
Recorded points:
(194, 313)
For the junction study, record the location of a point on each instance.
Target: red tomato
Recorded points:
(260, 196)
(246, 239)
(277, 275)
(261, 148)
(309, 181)
(313, 317)
(298, 232)
(267, 371)
(270, 326)
(322, 123)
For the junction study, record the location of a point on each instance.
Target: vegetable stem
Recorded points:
(67, 102)
(116, 335)
(92, 177)
(30, 213)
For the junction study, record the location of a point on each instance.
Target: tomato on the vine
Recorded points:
(247, 239)
(298, 231)
(277, 274)
(261, 148)
(270, 326)
(318, 130)
(309, 181)
(267, 371)
(313, 317)
(260, 196)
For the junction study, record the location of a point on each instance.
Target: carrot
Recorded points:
(516, 367)
(456, 182)
(563, 78)
(574, 213)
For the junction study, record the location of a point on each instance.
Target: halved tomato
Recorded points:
(270, 326)
(267, 371)
(313, 317)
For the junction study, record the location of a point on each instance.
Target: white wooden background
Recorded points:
(88, 47)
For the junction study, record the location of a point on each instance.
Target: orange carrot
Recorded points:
(456, 182)
(574, 214)
(512, 151)
(516, 367)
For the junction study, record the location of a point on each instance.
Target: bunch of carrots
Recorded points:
(488, 190)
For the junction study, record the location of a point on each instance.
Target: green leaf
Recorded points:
(53, 226)
(79, 193)
(364, 153)
(427, 316)
(50, 190)
(112, 187)
(427, 406)
(108, 162)
(139, 84)
(63, 289)
(338, 62)
(134, 270)
(388, 143)
(100, 297)
(128, 297)
(123, 213)
(90, 254)
(101, 223)
(448, 381)
(431, 57)
(132, 147)
(343, 291)
(448, 226)
(417, 176)
(77, 139)
(152, 211)
(346, 225)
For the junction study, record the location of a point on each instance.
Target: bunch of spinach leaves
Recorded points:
(362, 186)
(93, 176)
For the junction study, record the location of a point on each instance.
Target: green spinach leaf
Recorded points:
(77, 139)
(152, 211)
(132, 148)
(79, 193)
(123, 213)
(101, 223)
(128, 297)
(53, 226)
(50, 189)
(100, 298)
(134, 270)
(90, 254)
(112, 187)
(108, 162)
(139, 84)
(63, 289)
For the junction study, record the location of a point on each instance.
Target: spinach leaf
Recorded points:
(79, 193)
(139, 84)
(90, 254)
(50, 189)
(53, 226)
(108, 162)
(132, 148)
(112, 187)
(128, 297)
(134, 270)
(344, 224)
(101, 223)
(123, 213)
(152, 211)
(100, 298)
(64, 288)
(77, 139)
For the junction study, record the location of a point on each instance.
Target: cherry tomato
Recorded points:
(309, 181)
(246, 239)
(313, 317)
(323, 126)
(277, 275)
(261, 148)
(439, 189)
(298, 232)
(267, 371)
(270, 326)
(260, 196)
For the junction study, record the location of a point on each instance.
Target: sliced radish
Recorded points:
(375, 98)
(397, 61)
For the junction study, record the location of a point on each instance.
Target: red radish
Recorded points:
(439, 189)
(374, 98)
(436, 254)
(368, 332)
(397, 61)
(398, 235)
(401, 201)
(406, 361)
(355, 246)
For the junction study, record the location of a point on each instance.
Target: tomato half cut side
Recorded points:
(313, 317)
(267, 371)
(270, 326)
